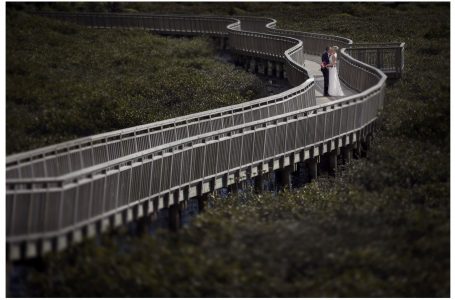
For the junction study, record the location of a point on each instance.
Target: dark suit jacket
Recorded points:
(325, 58)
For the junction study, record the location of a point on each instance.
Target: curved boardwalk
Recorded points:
(60, 194)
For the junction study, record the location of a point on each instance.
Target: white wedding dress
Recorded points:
(334, 81)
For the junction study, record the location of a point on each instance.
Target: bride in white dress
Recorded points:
(334, 81)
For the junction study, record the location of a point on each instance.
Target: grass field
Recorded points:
(380, 229)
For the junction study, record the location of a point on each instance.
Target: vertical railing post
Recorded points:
(378, 59)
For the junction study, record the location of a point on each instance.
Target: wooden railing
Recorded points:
(59, 194)
(387, 57)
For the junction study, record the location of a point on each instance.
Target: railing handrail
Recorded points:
(392, 44)
(138, 14)
(317, 35)
(375, 48)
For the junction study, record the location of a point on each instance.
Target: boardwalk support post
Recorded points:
(363, 147)
(265, 64)
(358, 150)
(333, 162)
(202, 202)
(241, 61)
(368, 140)
(259, 183)
(313, 168)
(174, 217)
(278, 70)
(253, 66)
(283, 177)
(236, 59)
(233, 188)
(263, 67)
(143, 223)
(346, 153)
(246, 63)
(270, 68)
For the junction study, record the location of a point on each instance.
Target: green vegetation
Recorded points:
(381, 229)
(65, 81)
(330, 239)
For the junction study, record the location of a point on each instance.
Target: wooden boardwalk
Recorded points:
(60, 194)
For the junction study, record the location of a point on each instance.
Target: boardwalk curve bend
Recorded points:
(60, 194)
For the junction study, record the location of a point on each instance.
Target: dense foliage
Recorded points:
(329, 239)
(65, 81)
(380, 229)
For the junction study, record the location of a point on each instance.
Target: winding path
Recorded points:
(61, 194)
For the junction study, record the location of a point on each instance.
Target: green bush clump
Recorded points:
(64, 81)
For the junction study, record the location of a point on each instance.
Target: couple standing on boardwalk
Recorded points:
(332, 86)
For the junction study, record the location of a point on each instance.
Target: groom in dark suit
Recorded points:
(325, 70)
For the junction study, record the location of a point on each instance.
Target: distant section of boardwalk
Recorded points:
(61, 194)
